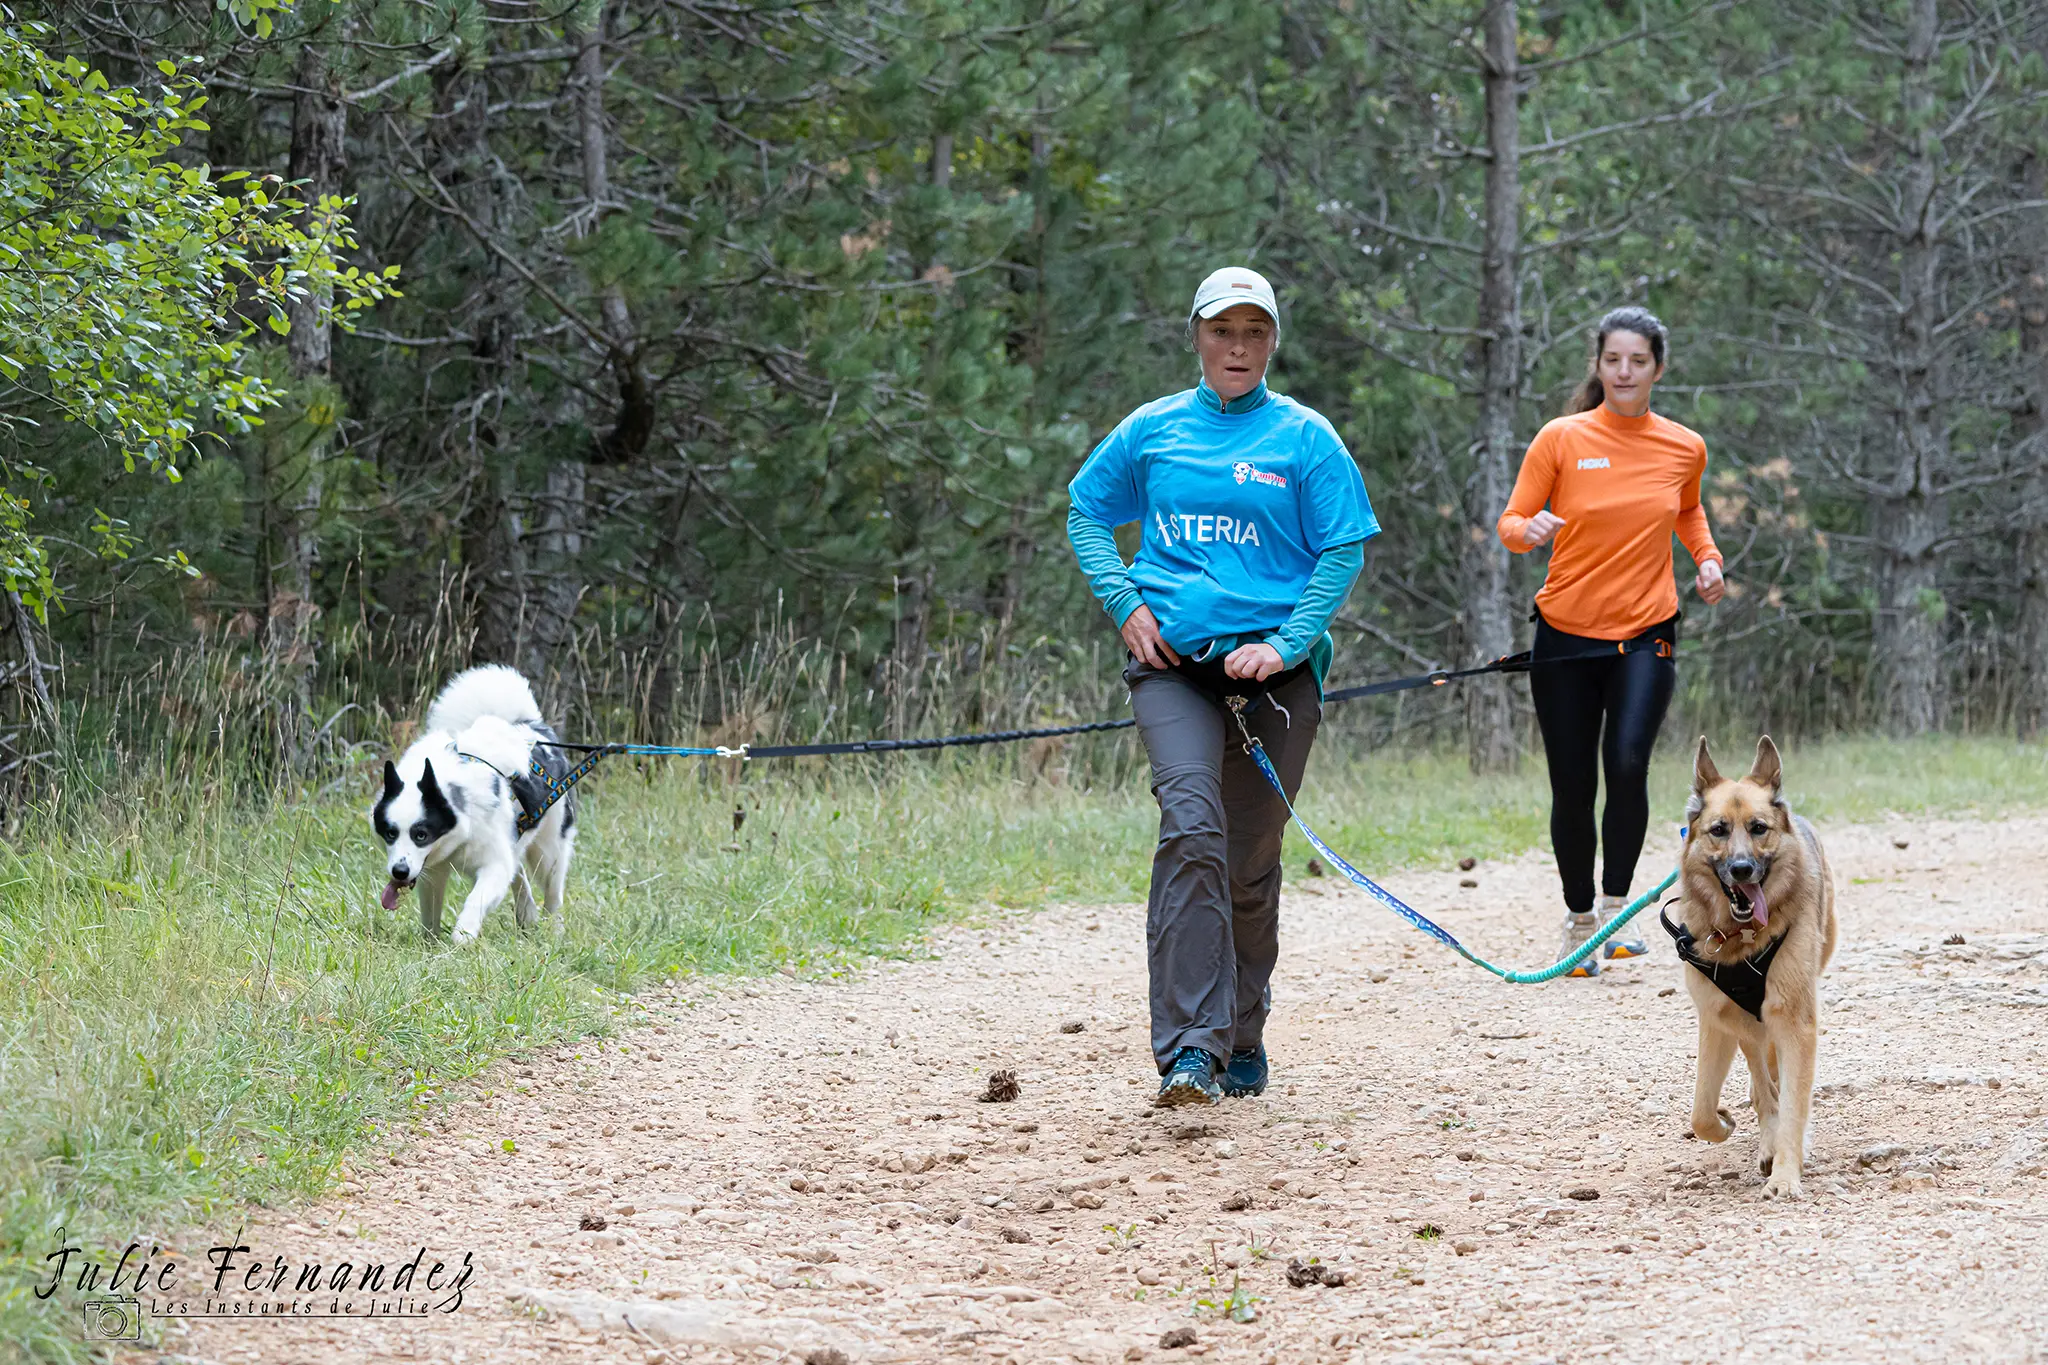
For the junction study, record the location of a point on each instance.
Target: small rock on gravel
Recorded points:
(1467, 864)
(1073, 1026)
(591, 1222)
(1235, 1200)
(827, 1355)
(1147, 1275)
(1016, 1234)
(1302, 1274)
(1582, 1192)
(1002, 1087)
(1468, 882)
(1882, 1152)
(1465, 1248)
(1176, 1337)
(1087, 1199)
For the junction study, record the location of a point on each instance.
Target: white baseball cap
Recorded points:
(1232, 285)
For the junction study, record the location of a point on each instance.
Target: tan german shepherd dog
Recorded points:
(1758, 909)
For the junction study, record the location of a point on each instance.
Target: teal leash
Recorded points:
(1423, 922)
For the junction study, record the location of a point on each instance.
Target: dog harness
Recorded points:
(1741, 981)
(537, 790)
(546, 789)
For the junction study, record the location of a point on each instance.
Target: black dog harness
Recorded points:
(1741, 981)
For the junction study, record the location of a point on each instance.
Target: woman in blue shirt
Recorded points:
(1253, 522)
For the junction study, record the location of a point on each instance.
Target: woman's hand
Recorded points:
(1141, 636)
(1256, 662)
(1710, 585)
(1539, 529)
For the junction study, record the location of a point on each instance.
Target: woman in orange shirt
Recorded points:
(1618, 481)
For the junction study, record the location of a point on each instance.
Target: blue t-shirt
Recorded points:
(1235, 508)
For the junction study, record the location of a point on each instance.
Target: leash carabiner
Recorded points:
(1237, 705)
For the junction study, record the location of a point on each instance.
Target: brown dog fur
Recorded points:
(1732, 820)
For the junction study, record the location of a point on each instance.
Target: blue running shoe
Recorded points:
(1618, 947)
(1190, 1080)
(1246, 1073)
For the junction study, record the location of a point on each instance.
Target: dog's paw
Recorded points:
(1784, 1184)
(1763, 1164)
(1719, 1128)
(463, 933)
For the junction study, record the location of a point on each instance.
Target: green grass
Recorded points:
(203, 1005)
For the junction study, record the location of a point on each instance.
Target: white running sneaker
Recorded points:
(1577, 929)
(1618, 947)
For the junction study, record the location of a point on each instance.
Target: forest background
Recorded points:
(722, 364)
(739, 353)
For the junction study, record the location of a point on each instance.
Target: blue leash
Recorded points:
(1415, 917)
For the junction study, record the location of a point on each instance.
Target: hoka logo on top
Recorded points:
(1245, 470)
(1595, 462)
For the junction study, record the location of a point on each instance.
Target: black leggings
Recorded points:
(1629, 692)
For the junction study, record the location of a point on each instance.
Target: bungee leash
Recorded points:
(1415, 917)
(553, 789)
(545, 790)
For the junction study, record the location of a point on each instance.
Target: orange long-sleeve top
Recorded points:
(1624, 486)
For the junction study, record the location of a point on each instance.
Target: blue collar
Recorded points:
(1250, 402)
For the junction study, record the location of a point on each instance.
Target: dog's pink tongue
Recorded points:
(389, 899)
(1758, 906)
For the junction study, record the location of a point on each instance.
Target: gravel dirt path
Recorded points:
(801, 1170)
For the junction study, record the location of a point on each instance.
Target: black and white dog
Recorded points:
(455, 799)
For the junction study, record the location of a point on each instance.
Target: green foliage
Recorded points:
(867, 377)
(128, 278)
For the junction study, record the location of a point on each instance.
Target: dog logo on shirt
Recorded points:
(1245, 470)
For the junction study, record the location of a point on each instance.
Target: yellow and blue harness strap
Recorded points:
(553, 789)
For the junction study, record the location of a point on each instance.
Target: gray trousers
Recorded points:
(1212, 925)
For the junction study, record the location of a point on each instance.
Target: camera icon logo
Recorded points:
(113, 1320)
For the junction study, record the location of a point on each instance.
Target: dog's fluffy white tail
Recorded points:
(492, 690)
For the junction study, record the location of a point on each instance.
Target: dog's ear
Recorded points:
(1704, 773)
(430, 786)
(393, 784)
(1768, 770)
